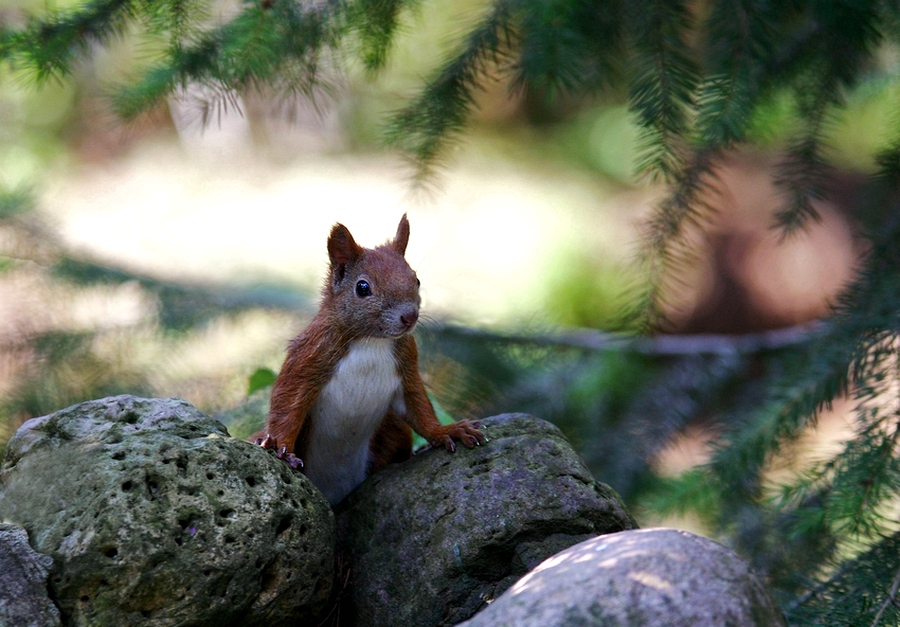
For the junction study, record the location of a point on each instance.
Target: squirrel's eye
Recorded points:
(363, 289)
(418, 283)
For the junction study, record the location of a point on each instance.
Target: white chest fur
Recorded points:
(365, 384)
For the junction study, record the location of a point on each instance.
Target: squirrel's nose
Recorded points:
(408, 318)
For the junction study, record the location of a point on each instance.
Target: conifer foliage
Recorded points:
(696, 75)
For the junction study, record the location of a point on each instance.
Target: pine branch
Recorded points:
(569, 45)
(866, 476)
(802, 176)
(862, 592)
(375, 22)
(185, 65)
(890, 600)
(741, 43)
(848, 34)
(179, 19)
(665, 77)
(856, 351)
(849, 498)
(816, 380)
(278, 46)
(741, 39)
(425, 127)
(665, 253)
(49, 46)
(866, 479)
(855, 490)
(888, 162)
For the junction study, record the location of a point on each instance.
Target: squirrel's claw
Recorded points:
(267, 442)
(292, 460)
(475, 435)
(271, 444)
(465, 431)
(442, 441)
(470, 433)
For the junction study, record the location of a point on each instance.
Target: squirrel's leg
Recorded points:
(419, 411)
(392, 443)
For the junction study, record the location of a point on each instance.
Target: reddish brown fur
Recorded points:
(343, 318)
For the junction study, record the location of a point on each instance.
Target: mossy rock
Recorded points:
(153, 514)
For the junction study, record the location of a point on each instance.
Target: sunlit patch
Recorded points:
(650, 580)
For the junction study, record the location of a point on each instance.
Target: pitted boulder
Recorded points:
(639, 578)
(432, 540)
(153, 514)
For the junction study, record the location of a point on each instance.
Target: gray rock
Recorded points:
(153, 514)
(649, 577)
(430, 541)
(23, 582)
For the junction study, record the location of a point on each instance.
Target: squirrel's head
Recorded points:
(372, 291)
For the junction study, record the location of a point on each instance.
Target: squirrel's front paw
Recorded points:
(466, 431)
(469, 433)
(270, 443)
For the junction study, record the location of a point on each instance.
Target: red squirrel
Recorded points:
(350, 389)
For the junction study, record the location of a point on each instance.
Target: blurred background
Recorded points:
(177, 257)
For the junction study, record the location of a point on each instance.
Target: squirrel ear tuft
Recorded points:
(401, 239)
(342, 248)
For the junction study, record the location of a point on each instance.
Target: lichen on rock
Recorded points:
(152, 513)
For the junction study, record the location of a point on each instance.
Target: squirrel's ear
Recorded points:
(401, 239)
(342, 248)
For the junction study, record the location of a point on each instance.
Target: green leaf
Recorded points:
(262, 378)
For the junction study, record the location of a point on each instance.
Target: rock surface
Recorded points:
(153, 514)
(23, 582)
(432, 540)
(648, 577)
